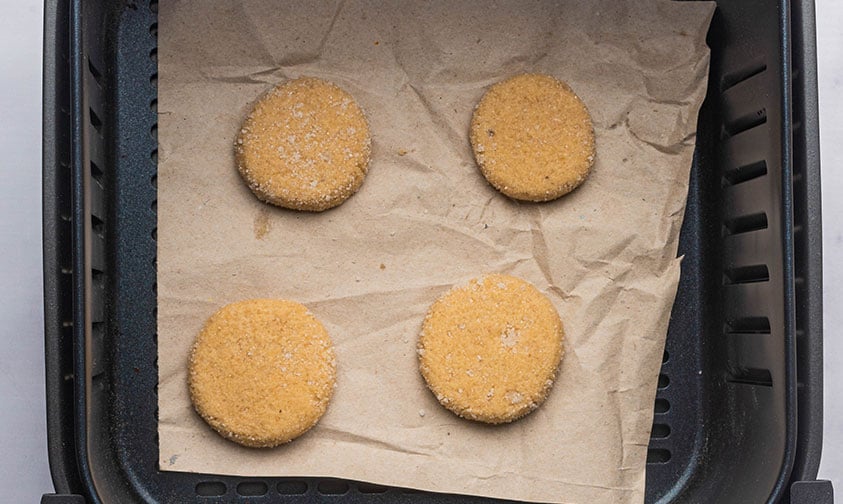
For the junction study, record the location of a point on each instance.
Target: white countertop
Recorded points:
(24, 473)
(830, 71)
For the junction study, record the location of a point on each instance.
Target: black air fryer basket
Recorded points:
(738, 415)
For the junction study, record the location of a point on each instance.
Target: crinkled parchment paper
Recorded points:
(426, 219)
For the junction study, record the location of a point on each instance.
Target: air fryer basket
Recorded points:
(738, 414)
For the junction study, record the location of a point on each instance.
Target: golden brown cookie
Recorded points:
(532, 138)
(305, 145)
(489, 350)
(262, 371)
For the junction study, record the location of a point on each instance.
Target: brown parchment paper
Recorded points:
(424, 220)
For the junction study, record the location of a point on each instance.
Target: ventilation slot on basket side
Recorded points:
(662, 406)
(369, 488)
(96, 172)
(291, 487)
(746, 223)
(733, 78)
(96, 122)
(332, 487)
(747, 274)
(210, 488)
(745, 123)
(745, 173)
(252, 488)
(97, 226)
(658, 455)
(748, 325)
(750, 376)
(660, 431)
(95, 73)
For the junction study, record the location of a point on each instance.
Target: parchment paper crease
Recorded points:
(426, 219)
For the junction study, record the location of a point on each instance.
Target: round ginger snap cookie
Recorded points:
(489, 351)
(262, 371)
(305, 145)
(533, 138)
